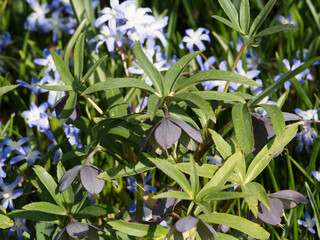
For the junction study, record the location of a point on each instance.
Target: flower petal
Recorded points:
(90, 181)
(167, 133)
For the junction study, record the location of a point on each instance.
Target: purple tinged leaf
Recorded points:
(90, 181)
(206, 231)
(167, 133)
(69, 177)
(150, 134)
(188, 128)
(61, 235)
(163, 206)
(74, 114)
(272, 216)
(186, 223)
(58, 107)
(289, 198)
(188, 142)
(291, 117)
(77, 230)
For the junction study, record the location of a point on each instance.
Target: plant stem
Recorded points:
(94, 105)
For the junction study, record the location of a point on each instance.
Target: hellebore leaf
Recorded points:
(89, 179)
(163, 206)
(186, 223)
(206, 231)
(167, 133)
(289, 198)
(69, 177)
(188, 128)
(77, 230)
(187, 142)
(272, 216)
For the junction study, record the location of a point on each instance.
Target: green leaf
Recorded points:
(205, 170)
(315, 15)
(45, 207)
(244, 16)
(153, 105)
(271, 88)
(212, 75)
(194, 178)
(196, 100)
(175, 70)
(265, 155)
(68, 107)
(243, 127)
(259, 193)
(67, 194)
(149, 68)
(116, 83)
(5, 89)
(231, 12)
(50, 184)
(221, 145)
(222, 175)
(92, 69)
(276, 29)
(261, 17)
(173, 194)
(139, 230)
(95, 211)
(241, 224)
(173, 172)
(33, 215)
(218, 196)
(62, 68)
(130, 169)
(78, 58)
(57, 87)
(220, 96)
(5, 222)
(72, 41)
(314, 206)
(276, 117)
(226, 22)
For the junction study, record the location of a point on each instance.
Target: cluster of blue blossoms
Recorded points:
(120, 25)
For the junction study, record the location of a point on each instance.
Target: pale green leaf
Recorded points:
(62, 68)
(219, 196)
(276, 117)
(221, 145)
(231, 11)
(276, 29)
(5, 222)
(45, 207)
(78, 58)
(226, 22)
(244, 16)
(220, 96)
(173, 194)
(153, 105)
(205, 170)
(57, 87)
(5, 89)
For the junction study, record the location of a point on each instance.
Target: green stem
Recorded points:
(94, 105)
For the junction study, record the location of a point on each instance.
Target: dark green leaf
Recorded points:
(222, 146)
(261, 17)
(276, 29)
(231, 12)
(220, 96)
(68, 108)
(276, 117)
(57, 87)
(242, 120)
(62, 68)
(93, 68)
(33, 215)
(149, 68)
(78, 58)
(96, 210)
(5, 89)
(226, 22)
(244, 16)
(175, 70)
(45, 207)
(218, 196)
(116, 83)
(153, 105)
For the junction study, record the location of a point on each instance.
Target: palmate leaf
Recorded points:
(197, 101)
(116, 83)
(263, 158)
(261, 17)
(276, 29)
(139, 230)
(212, 75)
(241, 224)
(243, 126)
(173, 172)
(62, 68)
(244, 16)
(231, 12)
(149, 68)
(175, 70)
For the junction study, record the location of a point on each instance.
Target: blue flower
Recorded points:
(286, 20)
(48, 61)
(19, 227)
(311, 114)
(72, 134)
(306, 137)
(53, 95)
(14, 145)
(57, 24)
(66, 5)
(316, 174)
(309, 222)
(3, 158)
(37, 20)
(27, 154)
(5, 40)
(252, 59)
(33, 85)
(296, 63)
(58, 153)
(146, 187)
(195, 38)
(37, 116)
(8, 193)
